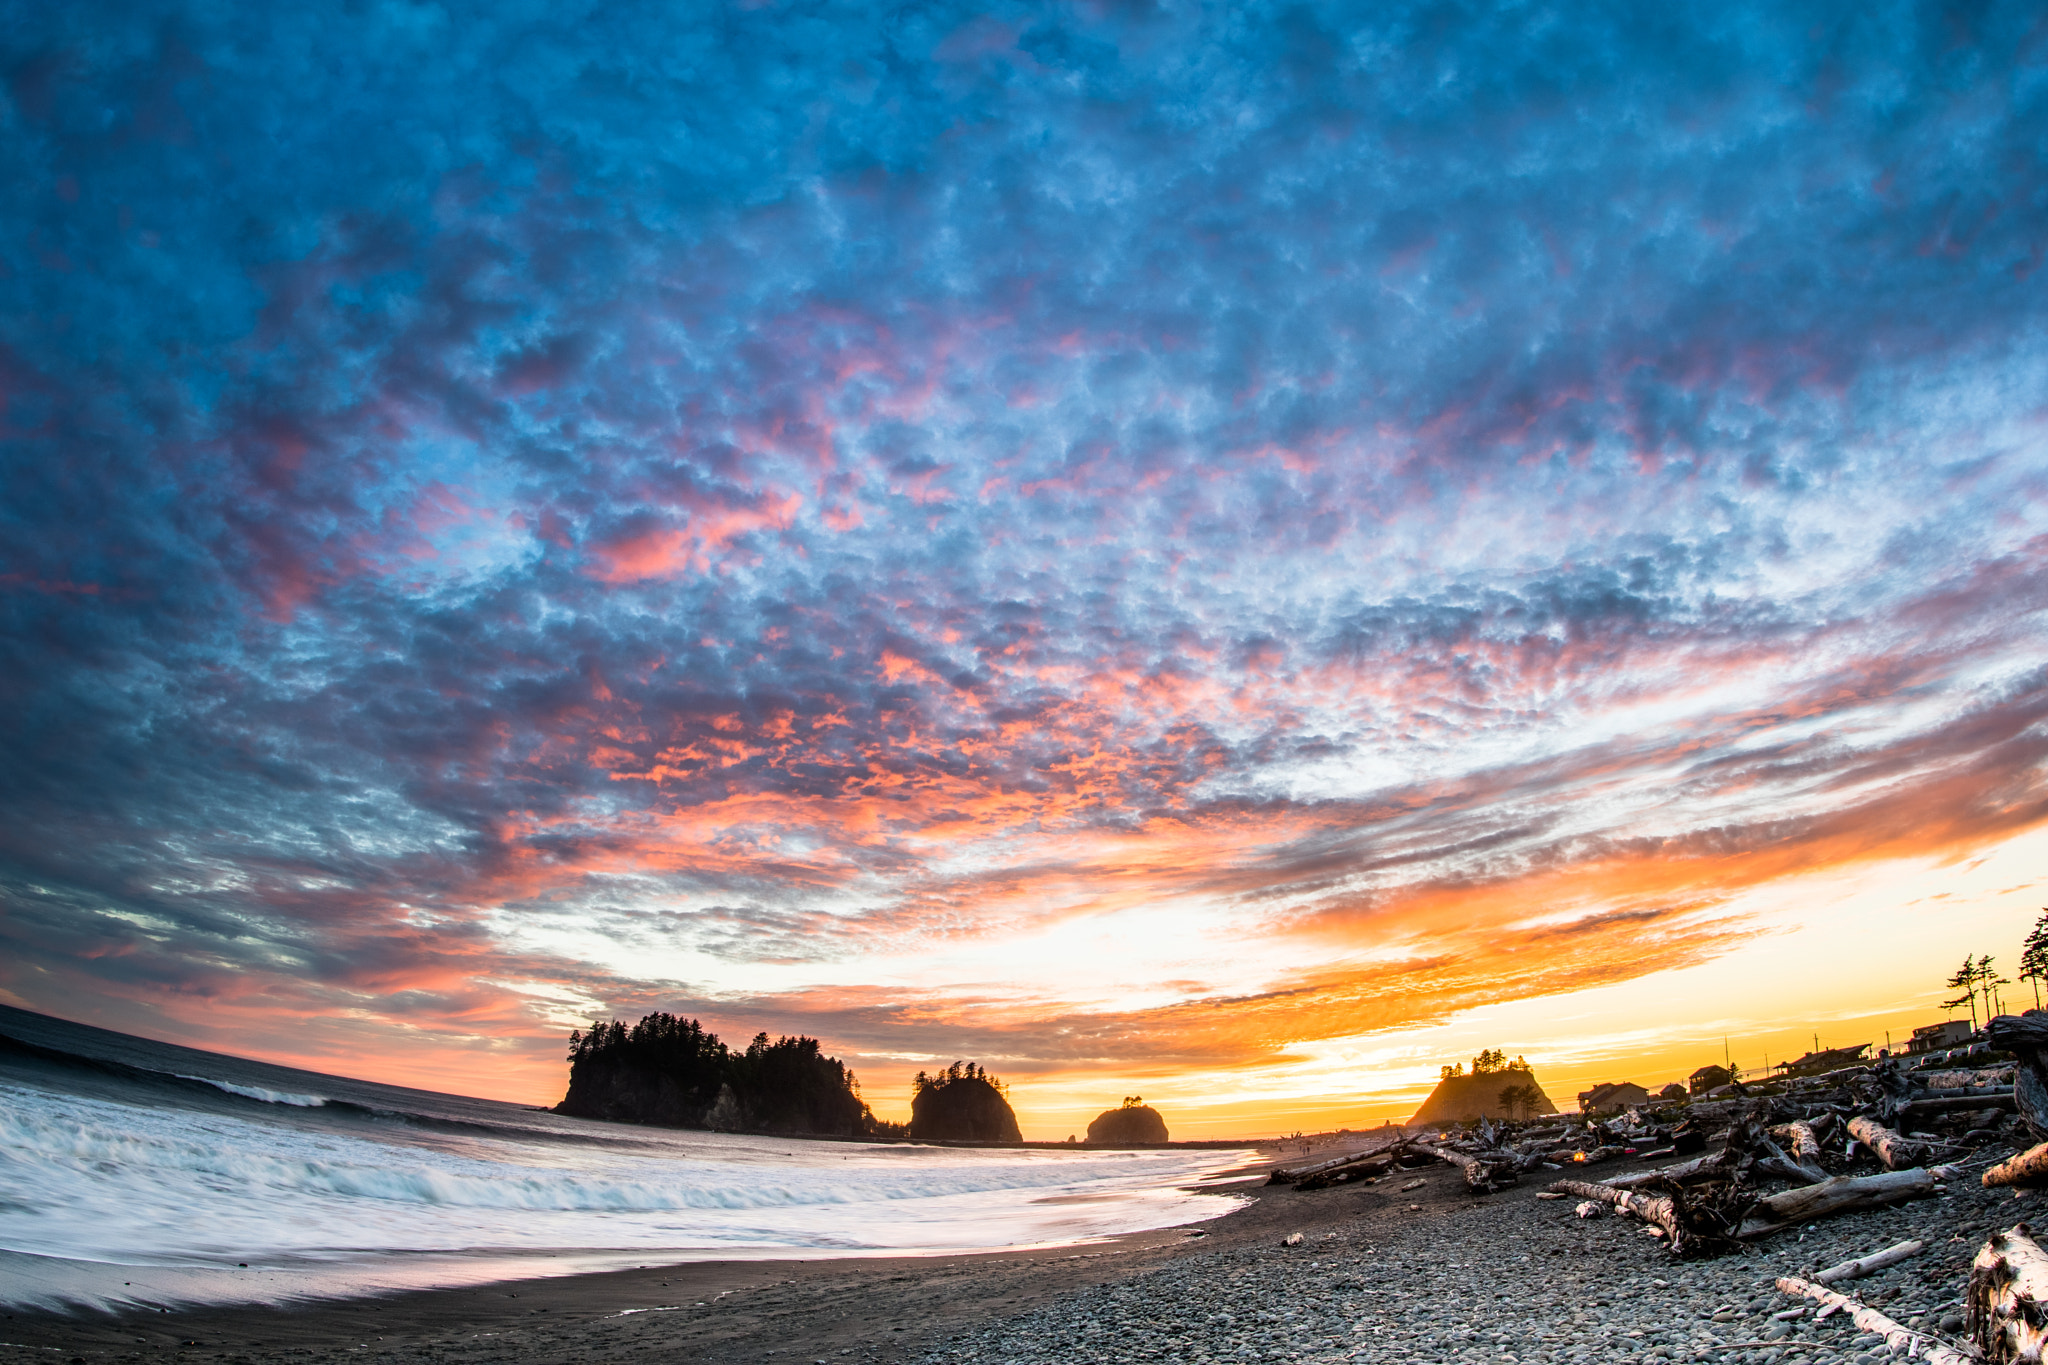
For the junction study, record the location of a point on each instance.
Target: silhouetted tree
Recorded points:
(2034, 956)
(788, 1085)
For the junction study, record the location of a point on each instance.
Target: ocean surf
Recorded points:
(133, 1172)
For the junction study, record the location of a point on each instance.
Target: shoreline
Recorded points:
(1412, 1270)
(729, 1309)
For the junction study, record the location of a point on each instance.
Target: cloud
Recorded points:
(814, 508)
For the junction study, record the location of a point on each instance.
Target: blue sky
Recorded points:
(1144, 537)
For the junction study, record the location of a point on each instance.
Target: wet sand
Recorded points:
(882, 1309)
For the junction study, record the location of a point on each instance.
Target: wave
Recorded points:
(256, 1092)
(97, 1180)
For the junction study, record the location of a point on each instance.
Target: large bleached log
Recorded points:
(1699, 1168)
(2006, 1305)
(1897, 1151)
(1801, 1143)
(1289, 1175)
(1963, 1080)
(1771, 1160)
(1837, 1194)
(1900, 1339)
(1378, 1163)
(1948, 1104)
(1869, 1265)
(2025, 1036)
(2029, 1168)
(1481, 1175)
(1654, 1209)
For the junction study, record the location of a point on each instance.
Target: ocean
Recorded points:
(140, 1173)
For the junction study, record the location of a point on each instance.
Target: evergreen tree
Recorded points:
(2034, 956)
(1965, 981)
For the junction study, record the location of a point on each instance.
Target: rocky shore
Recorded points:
(1506, 1278)
(1382, 1273)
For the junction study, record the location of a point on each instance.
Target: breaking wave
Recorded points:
(124, 1164)
(257, 1092)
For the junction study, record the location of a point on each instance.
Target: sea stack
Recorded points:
(963, 1103)
(1132, 1123)
(1493, 1090)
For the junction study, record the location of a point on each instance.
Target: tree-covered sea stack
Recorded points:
(963, 1103)
(1131, 1123)
(668, 1071)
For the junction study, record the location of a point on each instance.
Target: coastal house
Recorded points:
(1510, 1093)
(1828, 1059)
(1710, 1078)
(1612, 1098)
(1939, 1037)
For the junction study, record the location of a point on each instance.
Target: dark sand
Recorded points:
(882, 1309)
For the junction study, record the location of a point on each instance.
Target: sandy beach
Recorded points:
(1383, 1273)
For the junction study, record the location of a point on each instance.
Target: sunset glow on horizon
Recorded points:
(1236, 556)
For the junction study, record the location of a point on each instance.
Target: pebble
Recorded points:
(1513, 1282)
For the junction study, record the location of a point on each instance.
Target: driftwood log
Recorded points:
(1963, 1080)
(1801, 1143)
(2025, 1036)
(1869, 1265)
(1699, 1168)
(2006, 1306)
(1376, 1163)
(1837, 1194)
(1771, 1160)
(2002, 1100)
(1897, 1151)
(1901, 1339)
(1653, 1209)
(2029, 1168)
(1482, 1175)
(1291, 1175)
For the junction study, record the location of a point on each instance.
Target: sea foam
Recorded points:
(94, 1180)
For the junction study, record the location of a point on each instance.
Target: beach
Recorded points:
(1382, 1274)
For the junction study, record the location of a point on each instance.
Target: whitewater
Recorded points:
(136, 1172)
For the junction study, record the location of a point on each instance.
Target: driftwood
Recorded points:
(1771, 1160)
(2029, 1168)
(1901, 1339)
(1837, 1194)
(2006, 1305)
(1292, 1175)
(1949, 1104)
(1657, 1210)
(1376, 1163)
(1897, 1151)
(1801, 1143)
(1482, 1175)
(1869, 1265)
(1706, 1167)
(2025, 1036)
(1964, 1080)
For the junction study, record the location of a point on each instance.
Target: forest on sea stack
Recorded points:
(669, 1071)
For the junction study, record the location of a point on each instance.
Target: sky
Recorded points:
(1236, 553)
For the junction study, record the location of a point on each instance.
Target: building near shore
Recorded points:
(1510, 1093)
(1826, 1060)
(1612, 1098)
(1937, 1037)
(1709, 1078)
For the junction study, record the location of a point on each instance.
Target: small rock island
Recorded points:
(1131, 1123)
(963, 1103)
